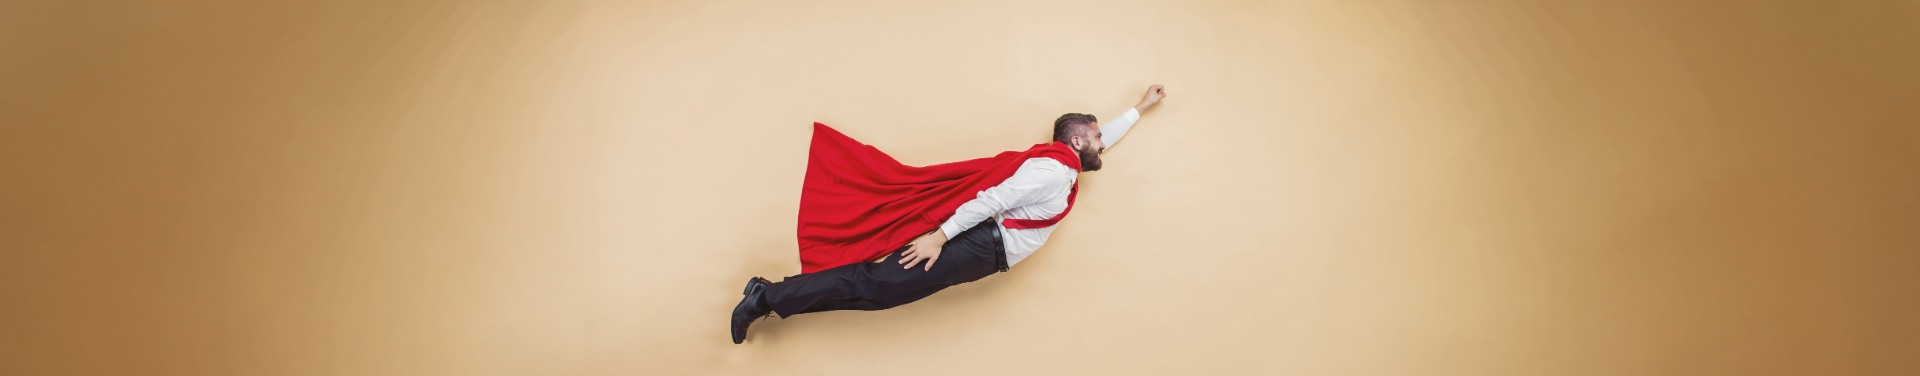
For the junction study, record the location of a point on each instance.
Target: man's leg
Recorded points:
(975, 254)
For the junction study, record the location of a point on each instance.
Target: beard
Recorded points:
(1089, 159)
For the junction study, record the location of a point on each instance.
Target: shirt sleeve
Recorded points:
(1111, 132)
(1035, 181)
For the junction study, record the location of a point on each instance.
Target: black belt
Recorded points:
(999, 257)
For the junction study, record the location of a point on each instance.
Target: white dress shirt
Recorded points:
(1038, 190)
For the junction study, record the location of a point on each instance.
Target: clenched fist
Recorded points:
(1154, 93)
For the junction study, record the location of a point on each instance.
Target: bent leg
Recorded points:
(871, 286)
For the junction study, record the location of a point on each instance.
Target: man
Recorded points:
(857, 201)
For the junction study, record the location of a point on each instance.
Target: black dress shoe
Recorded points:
(750, 308)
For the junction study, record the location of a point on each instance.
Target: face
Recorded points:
(1089, 146)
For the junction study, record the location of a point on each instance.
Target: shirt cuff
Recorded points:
(1132, 115)
(952, 228)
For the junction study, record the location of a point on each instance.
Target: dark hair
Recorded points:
(1063, 127)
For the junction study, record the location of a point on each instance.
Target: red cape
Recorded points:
(857, 204)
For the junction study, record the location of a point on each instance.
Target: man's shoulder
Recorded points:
(1049, 167)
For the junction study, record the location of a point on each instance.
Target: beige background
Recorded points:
(1370, 188)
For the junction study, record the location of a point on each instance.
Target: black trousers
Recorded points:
(867, 286)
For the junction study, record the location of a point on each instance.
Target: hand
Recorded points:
(1154, 93)
(927, 247)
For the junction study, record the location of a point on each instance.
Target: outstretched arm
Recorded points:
(1111, 132)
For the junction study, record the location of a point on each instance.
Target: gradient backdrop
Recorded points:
(562, 188)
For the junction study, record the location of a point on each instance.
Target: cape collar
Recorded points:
(1073, 156)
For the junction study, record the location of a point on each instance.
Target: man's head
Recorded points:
(1082, 133)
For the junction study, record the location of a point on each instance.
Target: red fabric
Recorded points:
(1043, 223)
(857, 204)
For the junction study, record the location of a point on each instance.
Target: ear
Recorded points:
(1078, 143)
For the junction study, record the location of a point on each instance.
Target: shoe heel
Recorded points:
(750, 281)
